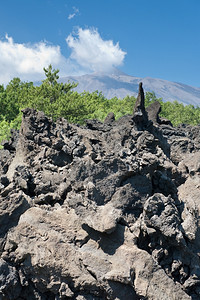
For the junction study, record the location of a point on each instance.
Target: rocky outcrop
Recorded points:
(153, 111)
(139, 113)
(102, 211)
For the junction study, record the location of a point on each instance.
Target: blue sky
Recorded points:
(144, 38)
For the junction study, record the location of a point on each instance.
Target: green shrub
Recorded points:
(60, 100)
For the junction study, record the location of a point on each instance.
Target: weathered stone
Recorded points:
(153, 111)
(12, 206)
(110, 118)
(165, 121)
(140, 116)
(9, 281)
(161, 213)
(103, 211)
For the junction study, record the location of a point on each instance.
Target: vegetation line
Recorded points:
(60, 100)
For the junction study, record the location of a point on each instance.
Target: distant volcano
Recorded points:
(119, 84)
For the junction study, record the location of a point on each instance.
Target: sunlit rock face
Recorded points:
(102, 211)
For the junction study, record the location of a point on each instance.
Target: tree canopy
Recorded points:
(58, 99)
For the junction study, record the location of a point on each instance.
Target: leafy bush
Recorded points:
(60, 100)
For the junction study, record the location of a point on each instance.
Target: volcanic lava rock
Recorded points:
(102, 211)
(153, 111)
(139, 114)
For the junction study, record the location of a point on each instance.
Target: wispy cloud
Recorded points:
(91, 52)
(75, 13)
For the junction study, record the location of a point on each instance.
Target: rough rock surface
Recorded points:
(103, 211)
(139, 113)
(153, 111)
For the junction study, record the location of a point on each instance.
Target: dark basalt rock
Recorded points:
(110, 118)
(153, 111)
(139, 113)
(102, 211)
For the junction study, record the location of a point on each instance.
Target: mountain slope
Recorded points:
(120, 84)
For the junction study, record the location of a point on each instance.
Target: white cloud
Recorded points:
(89, 53)
(27, 61)
(94, 53)
(75, 13)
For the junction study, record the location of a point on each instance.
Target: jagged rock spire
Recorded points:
(139, 113)
(139, 105)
